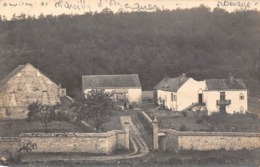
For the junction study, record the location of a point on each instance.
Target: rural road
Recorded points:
(139, 145)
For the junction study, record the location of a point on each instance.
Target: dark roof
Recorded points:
(11, 74)
(225, 84)
(111, 81)
(171, 84)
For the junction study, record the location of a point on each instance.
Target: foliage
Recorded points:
(96, 108)
(199, 42)
(43, 113)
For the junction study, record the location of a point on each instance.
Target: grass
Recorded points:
(113, 124)
(217, 122)
(16, 127)
(178, 122)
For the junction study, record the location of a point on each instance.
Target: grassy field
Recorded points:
(217, 122)
(16, 127)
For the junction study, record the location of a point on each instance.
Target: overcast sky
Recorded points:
(56, 7)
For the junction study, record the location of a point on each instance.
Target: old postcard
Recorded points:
(130, 83)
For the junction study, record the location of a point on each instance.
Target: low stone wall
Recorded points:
(218, 140)
(175, 140)
(9, 144)
(95, 143)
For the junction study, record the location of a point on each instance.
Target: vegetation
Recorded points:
(96, 108)
(199, 42)
(216, 122)
(25, 146)
(43, 113)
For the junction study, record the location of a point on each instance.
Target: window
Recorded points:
(173, 97)
(222, 95)
(241, 96)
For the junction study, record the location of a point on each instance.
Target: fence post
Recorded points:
(155, 134)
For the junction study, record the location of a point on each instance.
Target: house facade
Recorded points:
(23, 86)
(179, 93)
(126, 89)
(214, 95)
(226, 95)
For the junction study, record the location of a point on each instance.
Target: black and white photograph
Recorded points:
(130, 83)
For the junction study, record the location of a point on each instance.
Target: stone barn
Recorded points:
(24, 85)
(126, 89)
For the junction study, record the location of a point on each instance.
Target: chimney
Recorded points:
(230, 78)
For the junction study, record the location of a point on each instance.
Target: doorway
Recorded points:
(200, 96)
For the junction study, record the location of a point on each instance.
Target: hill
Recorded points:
(199, 42)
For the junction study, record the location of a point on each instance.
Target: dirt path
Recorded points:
(140, 150)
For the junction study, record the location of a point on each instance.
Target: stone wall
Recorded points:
(218, 140)
(95, 143)
(9, 144)
(24, 87)
(172, 140)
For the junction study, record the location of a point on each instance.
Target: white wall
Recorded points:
(233, 95)
(189, 93)
(166, 96)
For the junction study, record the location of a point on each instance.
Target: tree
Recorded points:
(43, 113)
(96, 108)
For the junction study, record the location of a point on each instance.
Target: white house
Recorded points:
(126, 88)
(227, 95)
(182, 93)
(179, 93)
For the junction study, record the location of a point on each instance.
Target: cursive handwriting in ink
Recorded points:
(139, 7)
(79, 5)
(245, 5)
(17, 4)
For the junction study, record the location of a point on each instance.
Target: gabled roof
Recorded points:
(111, 81)
(225, 84)
(16, 71)
(171, 84)
(11, 74)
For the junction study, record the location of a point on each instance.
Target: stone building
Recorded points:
(125, 88)
(24, 85)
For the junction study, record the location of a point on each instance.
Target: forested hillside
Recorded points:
(198, 42)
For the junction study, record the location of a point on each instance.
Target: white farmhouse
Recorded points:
(227, 95)
(126, 88)
(181, 93)
(214, 95)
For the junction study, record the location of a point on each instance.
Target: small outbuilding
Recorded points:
(126, 89)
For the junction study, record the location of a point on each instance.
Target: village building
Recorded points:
(178, 94)
(126, 89)
(213, 95)
(226, 95)
(23, 86)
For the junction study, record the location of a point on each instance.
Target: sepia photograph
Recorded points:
(130, 83)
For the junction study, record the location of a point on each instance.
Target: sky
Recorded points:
(56, 7)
